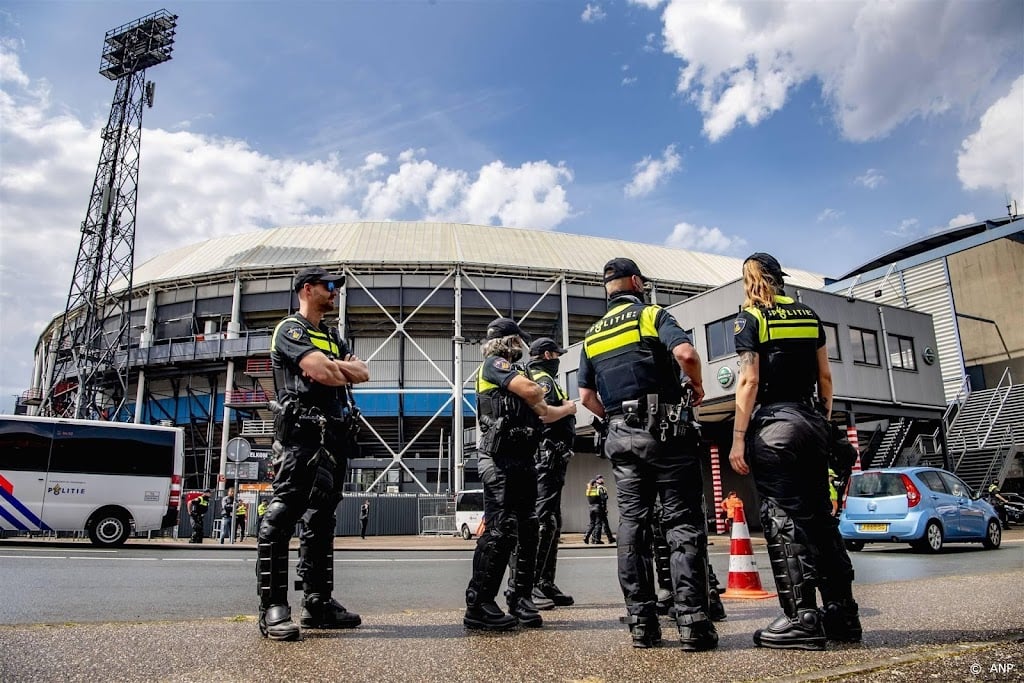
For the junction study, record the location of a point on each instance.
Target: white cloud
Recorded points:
(870, 179)
(993, 156)
(701, 238)
(592, 14)
(648, 173)
(878, 63)
(829, 215)
(956, 222)
(649, 4)
(196, 187)
(629, 80)
(650, 42)
(908, 228)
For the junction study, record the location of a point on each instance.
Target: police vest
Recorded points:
(289, 379)
(494, 403)
(593, 493)
(241, 510)
(199, 506)
(788, 337)
(261, 509)
(564, 429)
(629, 360)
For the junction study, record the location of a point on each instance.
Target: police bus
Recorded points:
(105, 478)
(469, 510)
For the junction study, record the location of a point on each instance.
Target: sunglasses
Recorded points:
(330, 285)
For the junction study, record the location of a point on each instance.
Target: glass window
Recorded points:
(572, 388)
(25, 446)
(954, 485)
(877, 485)
(103, 449)
(832, 341)
(721, 340)
(933, 481)
(865, 346)
(901, 352)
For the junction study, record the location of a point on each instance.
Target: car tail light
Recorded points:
(175, 498)
(913, 495)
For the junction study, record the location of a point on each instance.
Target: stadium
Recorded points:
(416, 303)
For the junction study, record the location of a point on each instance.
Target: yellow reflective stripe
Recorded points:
(323, 342)
(620, 338)
(483, 385)
(794, 329)
(558, 390)
(647, 320)
(624, 334)
(762, 329)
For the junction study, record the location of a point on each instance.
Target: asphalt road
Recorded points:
(62, 583)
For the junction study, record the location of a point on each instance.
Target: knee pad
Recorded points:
(775, 520)
(277, 524)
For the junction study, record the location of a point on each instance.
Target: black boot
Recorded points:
(696, 632)
(524, 610)
(841, 621)
(320, 610)
(549, 590)
(275, 620)
(645, 630)
(489, 560)
(716, 610)
(802, 632)
(487, 616)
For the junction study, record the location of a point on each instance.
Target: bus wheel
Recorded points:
(466, 533)
(109, 527)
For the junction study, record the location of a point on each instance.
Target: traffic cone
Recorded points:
(744, 581)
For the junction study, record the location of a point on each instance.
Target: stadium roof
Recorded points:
(368, 244)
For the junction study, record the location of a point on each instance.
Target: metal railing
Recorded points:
(257, 428)
(437, 525)
(991, 421)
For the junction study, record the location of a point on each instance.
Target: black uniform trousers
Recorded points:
(645, 468)
(787, 451)
(197, 528)
(308, 490)
(550, 481)
(510, 496)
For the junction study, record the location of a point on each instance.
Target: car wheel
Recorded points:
(931, 542)
(855, 546)
(109, 528)
(993, 535)
(466, 533)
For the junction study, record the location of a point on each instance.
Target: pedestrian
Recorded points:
(314, 436)
(197, 510)
(629, 374)
(511, 408)
(364, 518)
(731, 503)
(227, 513)
(781, 438)
(602, 510)
(552, 460)
(594, 504)
(241, 516)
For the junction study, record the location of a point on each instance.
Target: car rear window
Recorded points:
(877, 485)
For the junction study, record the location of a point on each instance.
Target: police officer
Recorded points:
(996, 499)
(629, 373)
(314, 434)
(602, 511)
(593, 495)
(241, 515)
(509, 404)
(552, 460)
(784, 442)
(197, 513)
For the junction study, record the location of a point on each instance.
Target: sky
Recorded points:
(827, 133)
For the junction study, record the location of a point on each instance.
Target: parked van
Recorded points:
(105, 478)
(469, 511)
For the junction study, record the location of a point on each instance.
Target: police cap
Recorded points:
(542, 344)
(770, 265)
(317, 274)
(505, 327)
(621, 267)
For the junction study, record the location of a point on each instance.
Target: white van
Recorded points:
(106, 478)
(469, 510)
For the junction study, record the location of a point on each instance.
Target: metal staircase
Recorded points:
(987, 433)
(892, 443)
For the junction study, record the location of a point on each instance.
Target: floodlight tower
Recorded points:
(88, 374)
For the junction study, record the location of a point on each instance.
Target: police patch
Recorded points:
(738, 326)
(502, 364)
(294, 333)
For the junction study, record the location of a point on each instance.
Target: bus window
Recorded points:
(25, 446)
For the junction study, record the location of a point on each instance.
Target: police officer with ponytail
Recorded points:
(629, 373)
(510, 411)
(314, 435)
(782, 439)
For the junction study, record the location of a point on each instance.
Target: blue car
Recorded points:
(922, 506)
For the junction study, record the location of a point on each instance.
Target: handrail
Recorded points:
(1007, 441)
(999, 408)
(958, 401)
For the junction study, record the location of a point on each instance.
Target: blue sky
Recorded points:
(826, 133)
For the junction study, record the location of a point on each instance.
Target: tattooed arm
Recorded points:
(746, 395)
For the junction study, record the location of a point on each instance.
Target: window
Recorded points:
(933, 481)
(721, 340)
(955, 486)
(25, 445)
(101, 449)
(832, 341)
(865, 346)
(572, 388)
(901, 352)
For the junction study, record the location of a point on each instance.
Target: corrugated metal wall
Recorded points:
(927, 289)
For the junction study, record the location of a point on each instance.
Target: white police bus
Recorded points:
(106, 478)
(469, 510)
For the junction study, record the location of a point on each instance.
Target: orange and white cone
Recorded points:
(744, 581)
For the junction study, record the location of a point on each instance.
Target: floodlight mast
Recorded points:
(89, 357)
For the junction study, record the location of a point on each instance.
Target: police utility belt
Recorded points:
(662, 420)
(291, 414)
(501, 432)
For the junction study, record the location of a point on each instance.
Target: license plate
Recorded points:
(872, 527)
